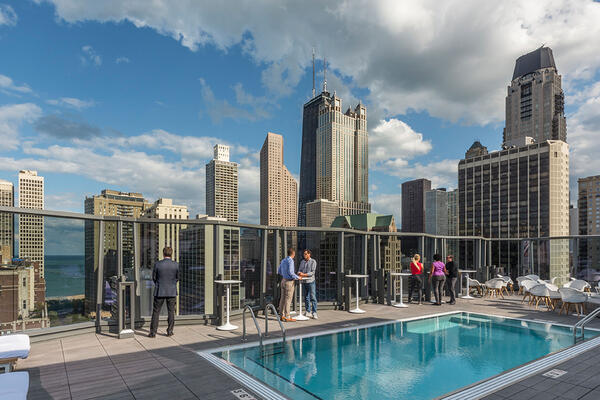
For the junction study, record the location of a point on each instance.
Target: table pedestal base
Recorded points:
(400, 305)
(357, 311)
(227, 327)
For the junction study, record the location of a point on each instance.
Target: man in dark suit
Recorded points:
(165, 276)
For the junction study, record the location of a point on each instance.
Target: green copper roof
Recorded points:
(363, 222)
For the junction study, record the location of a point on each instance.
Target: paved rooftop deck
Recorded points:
(99, 366)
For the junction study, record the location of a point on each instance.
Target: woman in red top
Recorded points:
(416, 280)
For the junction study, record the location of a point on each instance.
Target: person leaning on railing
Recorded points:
(416, 279)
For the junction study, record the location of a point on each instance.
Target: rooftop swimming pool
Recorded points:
(416, 359)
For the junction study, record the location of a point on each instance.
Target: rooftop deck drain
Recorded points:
(554, 373)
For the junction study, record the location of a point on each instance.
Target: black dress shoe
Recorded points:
(152, 334)
(170, 333)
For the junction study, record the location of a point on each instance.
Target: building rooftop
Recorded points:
(531, 62)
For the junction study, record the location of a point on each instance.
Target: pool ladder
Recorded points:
(581, 324)
(268, 307)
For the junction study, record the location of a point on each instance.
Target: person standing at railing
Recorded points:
(416, 279)
(308, 267)
(438, 278)
(288, 276)
(452, 277)
(165, 276)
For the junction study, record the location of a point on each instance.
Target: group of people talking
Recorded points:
(440, 275)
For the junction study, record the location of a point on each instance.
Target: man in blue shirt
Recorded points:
(286, 270)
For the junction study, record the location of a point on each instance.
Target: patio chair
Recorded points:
(572, 297)
(533, 277)
(13, 347)
(475, 284)
(578, 284)
(526, 285)
(14, 385)
(494, 287)
(509, 284)
(541, 293)
(555, 297)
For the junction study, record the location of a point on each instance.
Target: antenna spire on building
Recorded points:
(314, 91)
(324, 74)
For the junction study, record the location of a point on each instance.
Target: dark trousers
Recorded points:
(415, 283)
(438, 285)
(157, 306)
(451, 285)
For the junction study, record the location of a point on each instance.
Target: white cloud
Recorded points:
(220, 109)
(8, 86)
(8, 16)
(12, 116)
(442, 173)
(388, 204)
(157, 163)
(71, 102)
(122, 60)
(90, 56)
(394, 139)
(451, 59)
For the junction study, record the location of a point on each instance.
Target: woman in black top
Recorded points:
(452, 269)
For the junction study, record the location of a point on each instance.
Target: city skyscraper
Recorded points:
(308, 157)
(342, 157)
(588, 204)
(31, 227)
(321, 213)
(7, 229)
(519, 193)
(109, 203)
(535, 100)
(413, 205)
(453, 212)
(222, 185)
(436, 212)
(278, 188)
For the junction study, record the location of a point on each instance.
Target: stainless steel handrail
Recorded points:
(272, 307)
(582, 322)
(255, 324)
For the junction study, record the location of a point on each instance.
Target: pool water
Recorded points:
(419, 359)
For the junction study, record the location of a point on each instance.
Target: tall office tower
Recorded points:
(453, 212)
(7, 230)
(342, 157)
(31, 227)
(109, 203)
(520, 192)
(413, 205)
(278, 188)
(535, 100)
(436, 212)
(308, 158)
(588, 204)
(222, 185)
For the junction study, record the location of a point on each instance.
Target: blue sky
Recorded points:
(120, 95)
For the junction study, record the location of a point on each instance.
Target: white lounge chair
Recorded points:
(533, 277)
(526, 285)
(509, 284)
(569, 297)
(13, 347)
(578, 284)
(14, 385)
(475, 284)
(494, 287)
(540, 293)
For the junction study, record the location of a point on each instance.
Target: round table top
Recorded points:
(467, 270)
(357, 276)
(302, 278)
(400, 273)
(227, 282)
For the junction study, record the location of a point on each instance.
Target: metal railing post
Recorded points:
(340, 269)
(100, 276)
(263, 268)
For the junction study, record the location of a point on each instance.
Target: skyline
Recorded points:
(135, 88)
